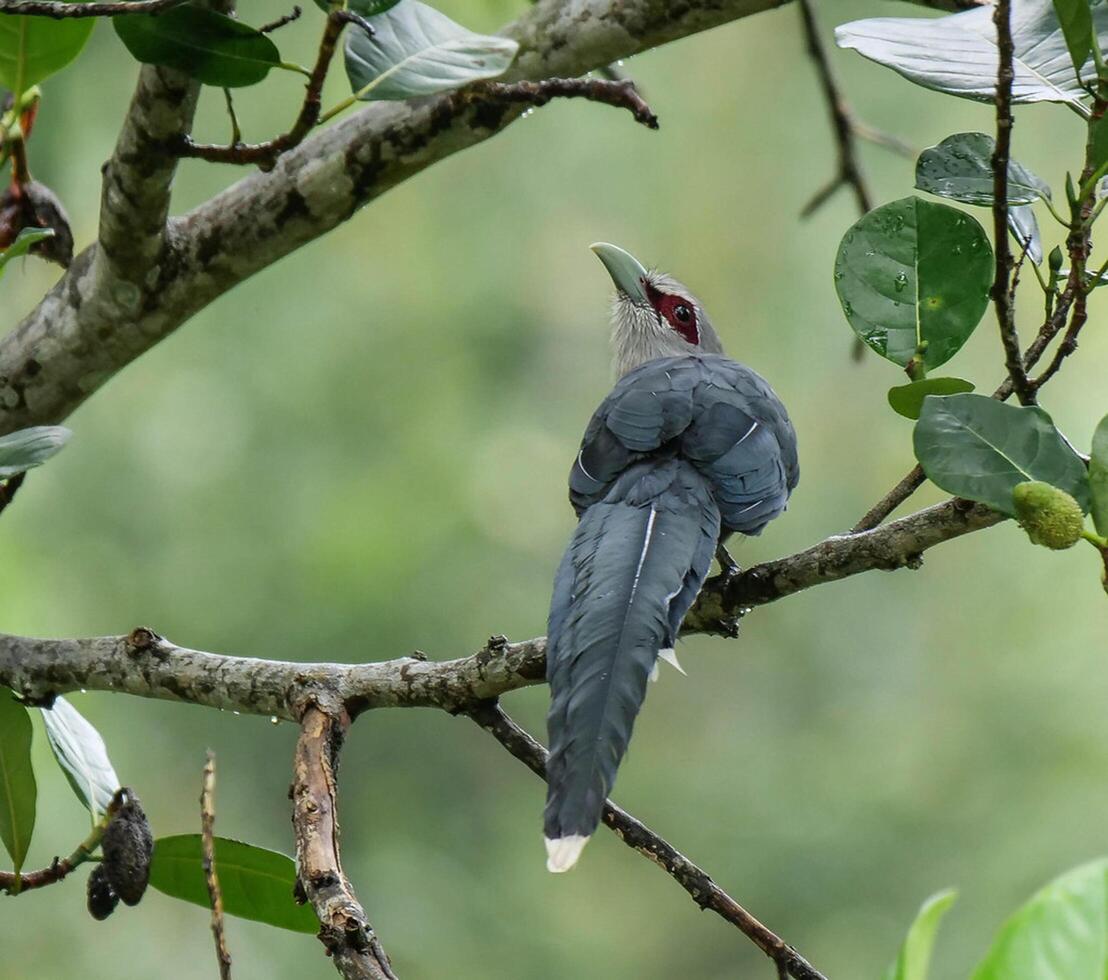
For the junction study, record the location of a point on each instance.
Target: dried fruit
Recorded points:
(102, 898)
(128, 846)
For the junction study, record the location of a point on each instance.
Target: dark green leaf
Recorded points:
(907, 400)
(33, 48)
(957, 54)
(1060, 934)
(1077, 28)
(1098, 477)
(18, 791)
(980, 448)
(1025, 230)
(961, 168)
(419, 51)
(257, 884)
(23, 241)
(26, 448)
(81, 753)
(364, 8)
(913, 271)
(914, 960)
(211, 47)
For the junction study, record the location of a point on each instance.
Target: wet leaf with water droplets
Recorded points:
(961, 168)
(911, 273)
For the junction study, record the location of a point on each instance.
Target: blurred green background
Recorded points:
(364, 451)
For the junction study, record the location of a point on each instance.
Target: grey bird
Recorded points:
(689, 447)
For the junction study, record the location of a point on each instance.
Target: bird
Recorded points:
(688, 448)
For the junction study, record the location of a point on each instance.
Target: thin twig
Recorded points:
(344, 929)
(63, 11)
(280, 22)
(842, 121)
(266, 154)
(13, 884)
(619, 94)
(1001, 291)
(697, 882)
(211, 878)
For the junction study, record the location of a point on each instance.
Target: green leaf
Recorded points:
(17, 779)
(1061, 933)
(26, 448)
(957, 54)
(81, 753)
(1077, 28)
(24, 240)
(907, 400)
(33, 48)
(912, 271)
(914, 960)
(961, 168)
(256, 884)
(1100, 142)
(980, 448)
(418, 51)
(1098, 477)
(209, 46)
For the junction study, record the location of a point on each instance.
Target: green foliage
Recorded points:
(961, 168)
(1061, 933)
(913, 274)
(209, 46)
(907, 400)
(914, 961)
(256, 883)
(1098, 478)
(1077, 27)
(18, 791)
(82, 755)
(418, 51)
(981, 449)
(957, 54)
(27, 448)
(24, 240)
(33, 48)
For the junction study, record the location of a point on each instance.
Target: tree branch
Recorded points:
(59, 10)
(145, 664)
(1001, 292)
(636, 835)
(90, 326)
(344, 929)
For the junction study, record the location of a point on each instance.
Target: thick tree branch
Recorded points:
(697, 882)
(344, 930)
(68, 346)
(144, 664)
(59, 10)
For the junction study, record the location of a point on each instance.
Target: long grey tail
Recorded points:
(635, 564)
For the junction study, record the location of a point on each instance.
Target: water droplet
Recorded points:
(234, 712)
(83, 691)
(848, 309)
(870, 253)
(957, 250)
(900, 282)
(838, 275)
(273, 720)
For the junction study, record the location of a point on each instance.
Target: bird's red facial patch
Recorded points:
(678, 312)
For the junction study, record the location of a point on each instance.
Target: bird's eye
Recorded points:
(682, 312)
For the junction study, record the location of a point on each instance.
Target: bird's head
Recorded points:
(653, 315)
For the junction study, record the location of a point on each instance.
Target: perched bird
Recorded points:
(689, 447)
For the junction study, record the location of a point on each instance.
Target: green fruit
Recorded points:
(1051, 517)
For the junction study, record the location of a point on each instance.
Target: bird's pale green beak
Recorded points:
(626, 271)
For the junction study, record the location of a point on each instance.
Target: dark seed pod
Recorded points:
(128, 846)
(102, 898)
(34, 205)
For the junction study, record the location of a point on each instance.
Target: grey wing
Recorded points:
(648, 408)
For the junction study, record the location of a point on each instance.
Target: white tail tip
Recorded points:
(562, 852)
(670, 657)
